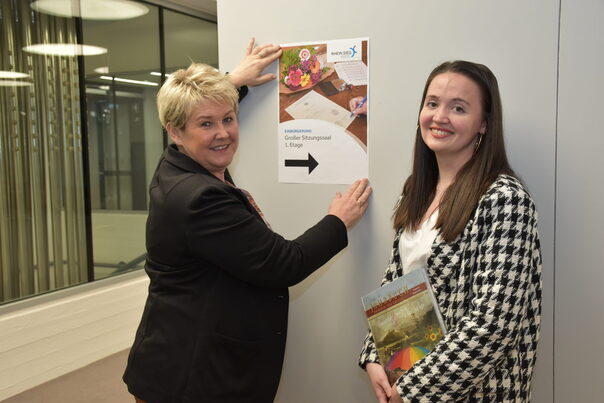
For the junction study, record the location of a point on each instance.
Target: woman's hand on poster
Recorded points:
(350, 206)
(249, 71)
(379, 382)
(354, 104)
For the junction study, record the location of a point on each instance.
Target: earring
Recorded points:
(478, 143)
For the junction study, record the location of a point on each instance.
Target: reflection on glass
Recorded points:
(42, 227)
(13, 74)
(124, 134)
(64, 49)
(189, 39)
(91, 9)
(43, 233)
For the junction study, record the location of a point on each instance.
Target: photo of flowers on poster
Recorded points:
(302, 68)
(323, 111)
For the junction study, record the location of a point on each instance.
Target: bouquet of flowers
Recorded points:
(301, 68)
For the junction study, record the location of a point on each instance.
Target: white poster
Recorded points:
(323, 112)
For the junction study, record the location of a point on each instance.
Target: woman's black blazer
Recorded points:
(215, 321)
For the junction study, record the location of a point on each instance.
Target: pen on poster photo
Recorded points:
(358, 106)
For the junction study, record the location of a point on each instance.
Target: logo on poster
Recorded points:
(351, 52)
(344, 51)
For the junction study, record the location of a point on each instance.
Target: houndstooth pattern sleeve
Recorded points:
(490, 300)
(393, 271)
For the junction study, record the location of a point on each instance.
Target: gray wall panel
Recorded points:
(579, 322)
(518, 40)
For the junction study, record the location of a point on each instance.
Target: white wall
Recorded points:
(579, 346)
(518, 40)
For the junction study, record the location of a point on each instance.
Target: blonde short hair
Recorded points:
(186, 88)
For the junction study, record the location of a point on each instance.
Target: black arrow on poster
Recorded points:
(311, 163)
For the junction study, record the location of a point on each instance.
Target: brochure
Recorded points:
(405, 320)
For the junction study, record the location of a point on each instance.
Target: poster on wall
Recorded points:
(323, 111)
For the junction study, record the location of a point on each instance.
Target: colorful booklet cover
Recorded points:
(405, 320)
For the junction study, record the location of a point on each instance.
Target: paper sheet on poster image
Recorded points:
(315, 106)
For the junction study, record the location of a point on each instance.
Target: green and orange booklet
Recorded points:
(405, 321)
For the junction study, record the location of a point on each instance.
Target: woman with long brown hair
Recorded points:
(466, 217)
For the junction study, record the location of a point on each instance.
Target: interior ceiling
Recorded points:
(203, 6)
(133, 43)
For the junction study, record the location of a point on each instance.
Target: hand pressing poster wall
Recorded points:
(323, 112)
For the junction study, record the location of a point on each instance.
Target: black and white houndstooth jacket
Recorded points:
(488, 285)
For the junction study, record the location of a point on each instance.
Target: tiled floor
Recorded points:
(99, 382)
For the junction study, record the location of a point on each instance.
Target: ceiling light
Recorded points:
(64, 49)
(102, 70)
(12, 74)
(126, 80)
(14, 83)
(91, 9)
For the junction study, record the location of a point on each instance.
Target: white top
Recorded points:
(414, 246)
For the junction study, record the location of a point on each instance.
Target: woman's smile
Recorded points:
(439, 132)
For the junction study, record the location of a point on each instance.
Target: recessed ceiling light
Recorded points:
(12, 74)
(14, 83)
(102, 70)
(127, 80)
(91, 9)
(64, 49)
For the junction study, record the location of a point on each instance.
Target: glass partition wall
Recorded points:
(123, 133)
(79, 135)
(195, 40)
(42, 228)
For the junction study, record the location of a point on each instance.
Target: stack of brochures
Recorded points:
(405, 320)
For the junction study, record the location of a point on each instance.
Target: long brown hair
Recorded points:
(459, 201)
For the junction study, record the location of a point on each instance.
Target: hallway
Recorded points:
(99, 382)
